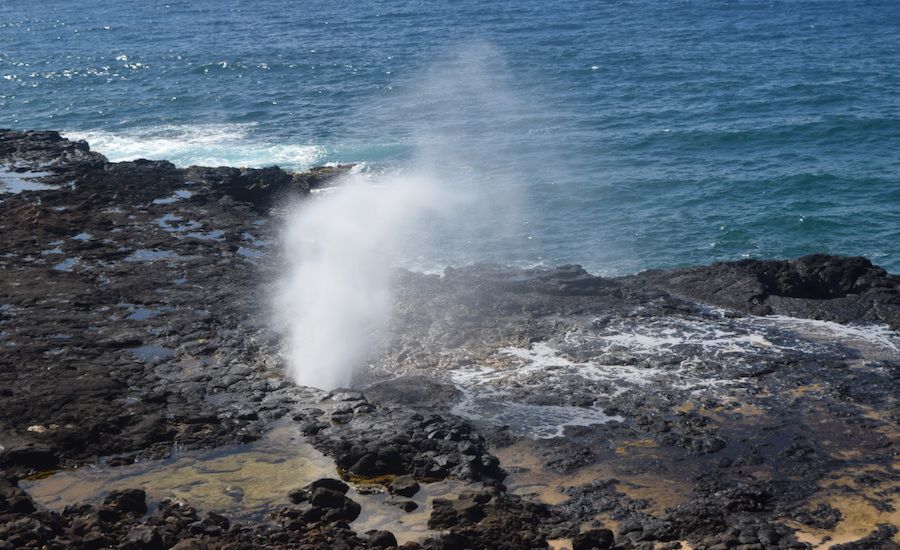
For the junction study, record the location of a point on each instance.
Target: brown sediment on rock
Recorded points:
(529, 475)
(849, 506)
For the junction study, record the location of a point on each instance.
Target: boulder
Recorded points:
(601, 539)
(31, 456)
(130, 501)
(404, 486)
(382, 539)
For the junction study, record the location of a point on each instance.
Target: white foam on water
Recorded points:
(542, 367)
(669, 335)
(201, 144)
(537, 421)
(668, 352)
(487, 397)
(878, 334)
(538, 356)
(687, 349)
(543, 361)
(485, 401)
(640, 354)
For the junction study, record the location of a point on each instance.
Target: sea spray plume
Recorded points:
(472, 133)
(472, 143)
(335, 298)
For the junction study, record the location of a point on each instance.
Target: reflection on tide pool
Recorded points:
(243, 482)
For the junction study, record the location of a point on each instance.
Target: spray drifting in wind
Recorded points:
(455, 196)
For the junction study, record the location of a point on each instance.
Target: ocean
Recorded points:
(622, 136)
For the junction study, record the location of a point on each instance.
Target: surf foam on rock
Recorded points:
(641, 355)
(201, 144)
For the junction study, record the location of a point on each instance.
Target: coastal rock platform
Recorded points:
(748, 404)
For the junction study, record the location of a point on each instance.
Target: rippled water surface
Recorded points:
(643, 134)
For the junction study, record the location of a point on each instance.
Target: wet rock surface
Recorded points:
(399, 442)
(664, 406)
(817, 286)
(667, 419)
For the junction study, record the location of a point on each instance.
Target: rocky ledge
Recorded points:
(742, 405)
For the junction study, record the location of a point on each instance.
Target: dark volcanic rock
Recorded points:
(382, 539)
(302, 495)
(822, 516)
(405, 486)
(256, 186)
(833, 288)
(333, 506)
(330, 484)
(595, 538)
(132, 287)
(417, 392)
(326, 498)
(143, 538)
(397, 441)
(264, 187)
(490, 519)
(320, 176)
(130, 323)
(468, 508)
(128, 501)
(30, 457)
(172, 525)
(48, 151)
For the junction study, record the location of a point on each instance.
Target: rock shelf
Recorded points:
(748, 405)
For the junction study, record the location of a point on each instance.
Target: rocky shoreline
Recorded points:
(132, 327)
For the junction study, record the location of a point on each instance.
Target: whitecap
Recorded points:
(201, 144)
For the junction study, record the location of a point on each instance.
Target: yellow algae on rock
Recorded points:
(244, 482)
(857, 506)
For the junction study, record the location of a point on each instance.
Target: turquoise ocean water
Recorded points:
(635, 134)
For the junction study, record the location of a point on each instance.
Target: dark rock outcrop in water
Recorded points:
(130, 325)
(48, 150)
(265, 187)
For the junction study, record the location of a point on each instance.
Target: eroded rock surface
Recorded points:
(823, 287)
(745, 405)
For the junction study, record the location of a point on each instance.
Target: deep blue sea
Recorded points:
(635, 134)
